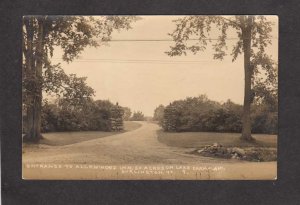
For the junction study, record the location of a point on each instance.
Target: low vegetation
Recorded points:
(199, 114)
(258, 154)
(99, 115)
(223, 145)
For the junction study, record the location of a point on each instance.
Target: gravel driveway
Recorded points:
(141, 152)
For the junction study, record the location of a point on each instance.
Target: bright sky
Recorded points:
(143, 85)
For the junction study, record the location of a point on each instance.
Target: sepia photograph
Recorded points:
(152, 97)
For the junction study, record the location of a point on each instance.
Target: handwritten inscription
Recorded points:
(131, 169)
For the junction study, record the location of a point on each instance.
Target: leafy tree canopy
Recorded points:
(43, 34)
(194, 33)
(253, 35)
(71, 34)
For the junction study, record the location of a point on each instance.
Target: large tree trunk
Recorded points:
(33, 132)
(246, 34)
(27, 71)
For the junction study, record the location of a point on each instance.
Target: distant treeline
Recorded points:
(137, 116)
(202, 114)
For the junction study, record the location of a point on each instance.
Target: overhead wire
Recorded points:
(158, 40)
(148, 61)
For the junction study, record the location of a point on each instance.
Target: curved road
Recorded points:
(139, 150)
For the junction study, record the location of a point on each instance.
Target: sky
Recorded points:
(139, 75)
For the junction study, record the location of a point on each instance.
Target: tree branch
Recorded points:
(230, 21)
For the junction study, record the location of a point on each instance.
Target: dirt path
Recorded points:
(129, 155)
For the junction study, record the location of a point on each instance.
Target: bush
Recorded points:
(264, 121)
(159, 114)
(222, 120)
(93, 116)
(50, 116)
(202, 114)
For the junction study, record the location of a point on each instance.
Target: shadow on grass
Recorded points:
(66, 138)
(201, 139)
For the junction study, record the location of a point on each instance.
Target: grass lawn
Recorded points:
(65, 138)
(200, 139)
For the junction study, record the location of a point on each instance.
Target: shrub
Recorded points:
(202, 114)
(94, 116)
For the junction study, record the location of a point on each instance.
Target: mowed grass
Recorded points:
(65, 138)
(200, 139)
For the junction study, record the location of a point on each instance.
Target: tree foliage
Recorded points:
(99, 115)
(201, 27)
(71, 34)
(43, 34)
(127, 113)
(201, 114)
(159, 114)
(184, 115)
(138, 116)
(253, 35)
